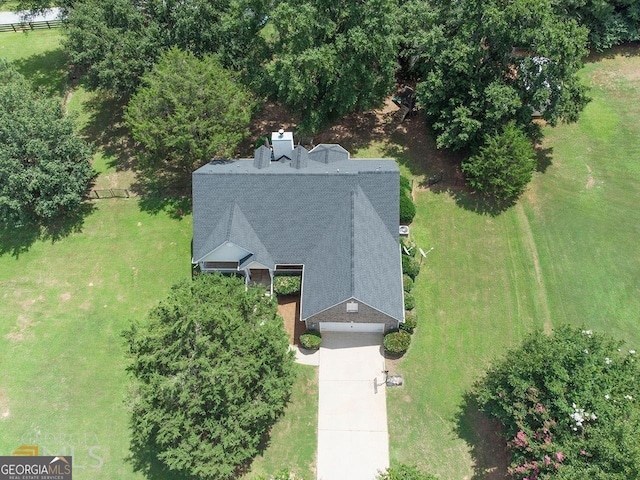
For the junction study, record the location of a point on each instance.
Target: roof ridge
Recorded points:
(353, 234)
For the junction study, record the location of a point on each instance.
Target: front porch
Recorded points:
(260, 277)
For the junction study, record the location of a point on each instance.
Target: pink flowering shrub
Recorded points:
(567, 404)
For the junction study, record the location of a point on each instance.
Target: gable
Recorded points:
(227, 252)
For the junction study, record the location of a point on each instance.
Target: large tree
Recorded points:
(569, 406)
(610, 22)
(212, 372)
(483, 64)
(116, 41)
(186, 112)
(45, 170)
(112, 42)
(332, 57)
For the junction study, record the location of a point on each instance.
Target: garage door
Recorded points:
(351, 327)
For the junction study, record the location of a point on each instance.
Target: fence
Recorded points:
(109, 193)
(22, 26)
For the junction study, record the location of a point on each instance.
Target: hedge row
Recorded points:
(407, 207)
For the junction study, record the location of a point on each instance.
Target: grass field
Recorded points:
(567, 252)
(63, 308)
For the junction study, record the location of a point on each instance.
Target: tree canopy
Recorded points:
(569, 406)
(610, 22)
(186, 112)
(483, 64)
(504, 164)
(113, 42)
(116, 41)
(45, 170)
(212, 372)
(330, 58)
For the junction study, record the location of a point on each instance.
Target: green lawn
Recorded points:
(65, 303)
(293, 439)
(38, 55)
(64, 306)
(568, 252)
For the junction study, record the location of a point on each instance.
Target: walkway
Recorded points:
(353, 442)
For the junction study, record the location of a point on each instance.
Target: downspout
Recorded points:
(271, 287)
(247, 278)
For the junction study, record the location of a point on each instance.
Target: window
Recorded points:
(352, 307)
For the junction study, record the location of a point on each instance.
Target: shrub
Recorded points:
(569, 397)
(397, 343)
(504, 165)
(409, 301)
(407, 283)
(311, 340)
(404, 472)
(286, 285)
(410, 266)
(410, 321)
(407, 209)
(408, 246)
(405, 185)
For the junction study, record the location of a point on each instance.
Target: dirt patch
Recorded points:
(23, 329)
(289, 310)
(590, 180)
(410, 142)
(65, 297)
(29, 302)
(5, 412)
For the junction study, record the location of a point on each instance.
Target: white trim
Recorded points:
(359, 301)
(355, 327)
(202, 259)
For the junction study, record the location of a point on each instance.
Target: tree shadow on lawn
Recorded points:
(475, 202)
(16, 240)
(630, 49)
(544, 158)
(107, 130)
(45, 70)
(156, 191)
(488, 447)
(163, 192)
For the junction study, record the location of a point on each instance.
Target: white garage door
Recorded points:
(351, 327)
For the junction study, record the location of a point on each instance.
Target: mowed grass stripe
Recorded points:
(589, 222)
(476, 295)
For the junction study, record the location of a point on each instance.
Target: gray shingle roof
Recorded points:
(339, 219)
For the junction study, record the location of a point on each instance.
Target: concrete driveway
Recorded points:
(353, 442)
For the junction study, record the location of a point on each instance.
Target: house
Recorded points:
(319, 214)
